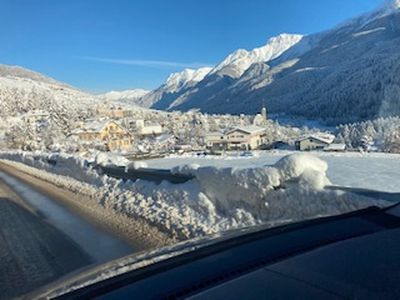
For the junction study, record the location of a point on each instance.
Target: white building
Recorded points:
(148, 128)
(261, 118)
(240, 138)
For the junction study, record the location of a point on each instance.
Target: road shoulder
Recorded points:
(136, 232)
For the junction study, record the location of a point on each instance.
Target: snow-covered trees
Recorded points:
(37, 112)
(381, 134)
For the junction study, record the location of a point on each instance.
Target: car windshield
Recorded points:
(144, 128)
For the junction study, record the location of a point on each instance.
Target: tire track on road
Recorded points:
(31, 249)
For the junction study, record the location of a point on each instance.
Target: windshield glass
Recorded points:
(127, 127)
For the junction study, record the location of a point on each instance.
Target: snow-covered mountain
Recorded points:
(239, 61)
(23, 90)
(177, 81)
(346, 74)
(126, 96)
(217, 78)
(176, 84)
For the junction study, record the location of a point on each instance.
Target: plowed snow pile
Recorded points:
(217, 199)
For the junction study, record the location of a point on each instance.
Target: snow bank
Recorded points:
(108, 159)
(135, 165)
(217, 199)
(307, 169)
(245, 194)
(57, 163)
(231, 187)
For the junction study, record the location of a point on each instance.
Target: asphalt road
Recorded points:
(41, 241)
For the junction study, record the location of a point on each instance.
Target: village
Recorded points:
(139, 133)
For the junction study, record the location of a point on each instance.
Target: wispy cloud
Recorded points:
(146, 63)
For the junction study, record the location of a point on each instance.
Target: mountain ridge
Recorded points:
(345, 74)
(222, 74)
(175, 85)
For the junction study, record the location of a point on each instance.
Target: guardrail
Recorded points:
(154, 175)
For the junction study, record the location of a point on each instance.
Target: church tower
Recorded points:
(264, 112)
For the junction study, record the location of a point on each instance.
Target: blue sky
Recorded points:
(101, 45)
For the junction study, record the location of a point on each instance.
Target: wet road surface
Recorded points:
(40, 240)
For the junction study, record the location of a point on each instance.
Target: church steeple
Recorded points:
(264, 111)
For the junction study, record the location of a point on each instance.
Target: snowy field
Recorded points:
(377, 171)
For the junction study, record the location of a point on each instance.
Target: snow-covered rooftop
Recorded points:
(94, 126)
(327, 139)
(215, 133)
(248, 129)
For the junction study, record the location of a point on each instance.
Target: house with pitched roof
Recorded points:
(239, 138)
(313, 142)
(107, 132)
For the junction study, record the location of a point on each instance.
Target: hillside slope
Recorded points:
(22, 90)
(346, 74)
